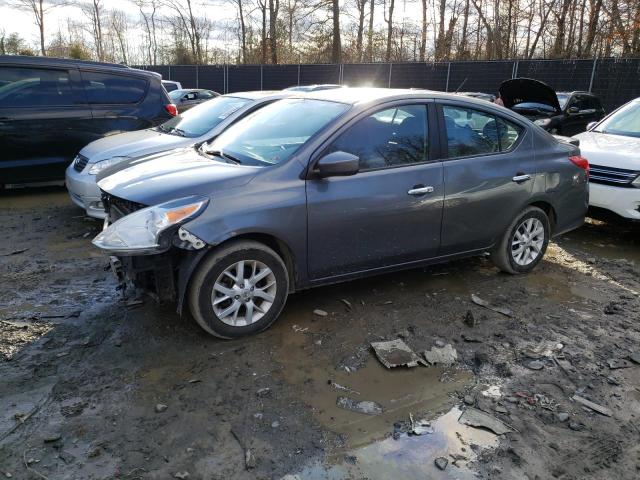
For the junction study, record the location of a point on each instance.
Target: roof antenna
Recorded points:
(461, 85)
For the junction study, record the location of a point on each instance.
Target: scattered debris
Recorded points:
(299, 329)
(396, 353)
(15, 252)
(133, 303)
(470, 338)
(535, 365)
(320, 313)
(483, 303)
(501, 409)
(469, 400)
(469, 319)
(264, 392)
(52, 437)
(615, 363)
(337, 386)
(181, 475)
(562, 416)
(441, 462)
(161, 407)
(634, 357)
(592, 406)
(479, 419)
(365, 406)
(542, 350)
(446, 355)
(346, 302)
(249, 460)
(612, 308)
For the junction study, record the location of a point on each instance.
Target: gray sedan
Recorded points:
(337, 185)
(199, 124)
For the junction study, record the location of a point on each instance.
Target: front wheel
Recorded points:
(524, 243)
(238, 290)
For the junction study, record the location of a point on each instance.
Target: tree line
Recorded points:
(318, 31)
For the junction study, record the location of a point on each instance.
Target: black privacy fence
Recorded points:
(614, 80)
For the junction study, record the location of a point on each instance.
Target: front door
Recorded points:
(387, 214)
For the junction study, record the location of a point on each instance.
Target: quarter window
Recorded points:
(103, 88)
(472, 132)
(35, 87)
(389, 138)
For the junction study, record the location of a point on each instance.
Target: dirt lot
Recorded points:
(93, 388)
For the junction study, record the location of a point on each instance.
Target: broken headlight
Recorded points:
(140, 233)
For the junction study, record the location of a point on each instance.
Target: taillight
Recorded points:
(172, 109)
(581, 162)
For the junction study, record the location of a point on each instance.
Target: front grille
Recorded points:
(618, 177)
(118, 207)
(79, 163)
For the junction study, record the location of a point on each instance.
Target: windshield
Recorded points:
(625, 121)
(176, 94)
(274, 133)
(202, 118)
(562, 99)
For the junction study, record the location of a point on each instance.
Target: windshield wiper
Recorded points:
(180, 132)
(164, 129)
(226, 156)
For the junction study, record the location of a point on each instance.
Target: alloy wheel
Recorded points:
(243, 293)
(527, 242)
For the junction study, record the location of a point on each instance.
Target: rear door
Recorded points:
(488, 175)
(43, 115)
(116, 102)
(390, 212)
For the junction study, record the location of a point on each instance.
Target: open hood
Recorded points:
(526, 90)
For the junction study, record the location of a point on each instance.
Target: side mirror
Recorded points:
(591, 125)
(573, 110)
(338, 164)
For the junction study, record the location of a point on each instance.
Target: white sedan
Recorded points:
(613, 150)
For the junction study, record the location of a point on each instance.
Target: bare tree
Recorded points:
(39, 9)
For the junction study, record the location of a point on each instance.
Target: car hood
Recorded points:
(176, 175)
(610, 150)
(520, 90)
(132, 144)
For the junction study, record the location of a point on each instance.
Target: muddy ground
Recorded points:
(91, 388)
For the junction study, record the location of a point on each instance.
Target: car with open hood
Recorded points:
(199, 124)
(561, 113)
(336, 185)
(612, 145)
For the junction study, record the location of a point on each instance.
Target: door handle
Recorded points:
(420, 190)
(521, 177)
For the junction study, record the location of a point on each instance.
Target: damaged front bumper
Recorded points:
(164, 277)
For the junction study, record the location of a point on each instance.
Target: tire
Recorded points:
(253, 313)
(504, 253)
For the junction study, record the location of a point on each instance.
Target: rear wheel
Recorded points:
(524, 243)
(239, 290)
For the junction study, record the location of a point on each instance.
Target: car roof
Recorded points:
(70, 62)
(359, 95)
(262, 94)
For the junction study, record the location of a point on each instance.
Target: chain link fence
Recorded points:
(614, 80)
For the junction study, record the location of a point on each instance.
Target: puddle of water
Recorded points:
(409, 457)
(613, 240)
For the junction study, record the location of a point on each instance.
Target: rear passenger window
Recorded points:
(104, 88)
(472, 132)
(35, 87)
(389, 138)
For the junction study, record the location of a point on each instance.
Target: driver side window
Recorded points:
(388, 138)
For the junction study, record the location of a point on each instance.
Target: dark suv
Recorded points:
(50, 108)
(562, 113)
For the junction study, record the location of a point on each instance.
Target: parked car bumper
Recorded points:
(622, 201)
(84, 191)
